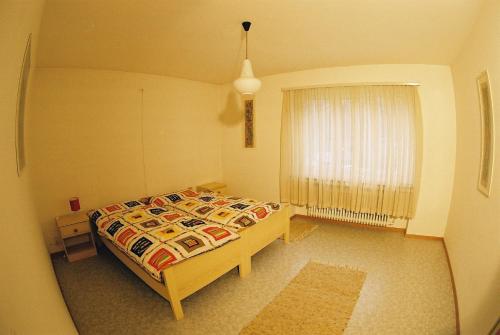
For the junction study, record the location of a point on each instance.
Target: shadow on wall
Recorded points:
(232, 114)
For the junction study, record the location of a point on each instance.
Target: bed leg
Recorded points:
(245, 266)
(177, 309)
(175, 302)
(286, 233)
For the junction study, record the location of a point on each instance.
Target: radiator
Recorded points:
(380, 220)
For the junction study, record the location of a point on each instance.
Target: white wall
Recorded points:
(85, 138)
(473, 232)
(255, 172)
(30, 299)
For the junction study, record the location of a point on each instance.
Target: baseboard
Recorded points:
(457, 327)
(350, 224)
(424, 237)
(366, 226)
(56, 254)
(55, 248)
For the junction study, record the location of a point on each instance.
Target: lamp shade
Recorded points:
(247, 83)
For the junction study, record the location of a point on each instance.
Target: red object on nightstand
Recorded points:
(74, 203)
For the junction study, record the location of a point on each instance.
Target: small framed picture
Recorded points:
(487, 134)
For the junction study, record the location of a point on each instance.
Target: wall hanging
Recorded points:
(21, 105)
(487, 134)
(249, 124)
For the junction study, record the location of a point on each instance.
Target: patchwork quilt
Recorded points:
(157, 237)
(173, 227)
(233, 213)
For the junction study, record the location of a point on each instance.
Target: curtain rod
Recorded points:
(347, 85)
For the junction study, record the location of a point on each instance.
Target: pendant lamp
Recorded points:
(247, 84)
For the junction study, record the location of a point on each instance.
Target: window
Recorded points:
(350, 147)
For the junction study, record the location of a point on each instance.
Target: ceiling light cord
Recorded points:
(246, 27)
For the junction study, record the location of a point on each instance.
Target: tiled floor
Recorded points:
(407, 290)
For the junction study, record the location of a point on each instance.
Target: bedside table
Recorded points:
(214, 187)
(77, 236)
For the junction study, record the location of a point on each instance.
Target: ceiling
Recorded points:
(203, 39)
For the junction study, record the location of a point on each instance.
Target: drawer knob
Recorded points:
(75, 230)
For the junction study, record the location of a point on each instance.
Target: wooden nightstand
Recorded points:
(76, 235)
(214, 187)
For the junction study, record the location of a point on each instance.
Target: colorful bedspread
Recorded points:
(233, 213)
(156, 237)
(176, 226)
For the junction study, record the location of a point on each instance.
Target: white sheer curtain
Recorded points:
(352, 148)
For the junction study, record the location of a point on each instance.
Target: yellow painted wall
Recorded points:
(473, 232)
(255, 172)
(85, 138)
(30, 299)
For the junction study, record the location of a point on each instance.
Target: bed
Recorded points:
(159, 238)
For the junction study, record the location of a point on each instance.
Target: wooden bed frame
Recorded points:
(187, 277)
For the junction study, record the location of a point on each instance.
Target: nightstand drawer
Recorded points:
(74, 229)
